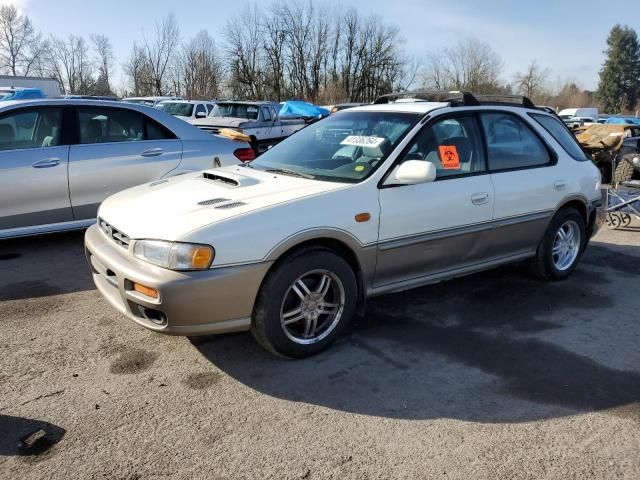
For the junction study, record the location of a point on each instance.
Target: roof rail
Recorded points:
(458, 99)
(454, 98)
(509, 100)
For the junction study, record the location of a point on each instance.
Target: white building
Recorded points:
(49, 86)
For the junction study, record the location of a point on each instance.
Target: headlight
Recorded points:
(174, 255)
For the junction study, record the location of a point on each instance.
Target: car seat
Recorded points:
(93, 131)
(7, 134)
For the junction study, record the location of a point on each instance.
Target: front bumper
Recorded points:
(218, 300)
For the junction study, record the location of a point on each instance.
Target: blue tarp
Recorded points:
(623, 121)
(24, 94)
(298, 108)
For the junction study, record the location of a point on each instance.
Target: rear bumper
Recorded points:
(190, 303)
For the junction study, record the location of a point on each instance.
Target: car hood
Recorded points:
(222, 122)
(172, 208)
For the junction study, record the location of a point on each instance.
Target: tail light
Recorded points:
(245, 154)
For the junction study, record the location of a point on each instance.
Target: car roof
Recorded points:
(406, 107)
(184, 130)
(175, 100)
(246, 102)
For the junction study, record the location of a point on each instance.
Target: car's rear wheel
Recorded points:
(561, 247)
(304, 304)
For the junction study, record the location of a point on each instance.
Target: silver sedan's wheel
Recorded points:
(312, 307)
(566, 245)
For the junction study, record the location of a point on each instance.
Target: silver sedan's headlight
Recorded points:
(174, 255)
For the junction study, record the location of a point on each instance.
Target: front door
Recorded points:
(118, 148)
(33, 168)
(434, 227)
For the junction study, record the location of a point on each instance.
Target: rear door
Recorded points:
(527, 180)
(33, 168)
(116, 148)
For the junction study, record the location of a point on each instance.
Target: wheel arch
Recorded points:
(577, 202)
(360, 258)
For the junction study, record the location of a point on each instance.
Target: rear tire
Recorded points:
(561, 247)
(305, 303)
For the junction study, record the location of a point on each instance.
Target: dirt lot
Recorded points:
(492, 376)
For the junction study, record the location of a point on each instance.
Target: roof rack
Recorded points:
(509, 100)
(454, 98)
(457, 98)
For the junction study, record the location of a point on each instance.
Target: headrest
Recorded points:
(7, 134)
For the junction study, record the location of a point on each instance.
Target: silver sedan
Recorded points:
(59, 159)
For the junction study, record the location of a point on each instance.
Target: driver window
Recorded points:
(453, 145)
(266, 114)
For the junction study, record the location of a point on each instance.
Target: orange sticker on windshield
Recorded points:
(449, 157)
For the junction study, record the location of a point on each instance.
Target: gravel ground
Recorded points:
(488, 377)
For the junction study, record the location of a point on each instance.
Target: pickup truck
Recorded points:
(258, 120)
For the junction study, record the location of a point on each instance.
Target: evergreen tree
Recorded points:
(620, 75)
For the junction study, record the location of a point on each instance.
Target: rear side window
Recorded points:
(156, 131)
(560, 133)
(511, 144)
(108, 125)
(266, 114)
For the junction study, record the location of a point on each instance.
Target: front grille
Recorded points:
(114, 234)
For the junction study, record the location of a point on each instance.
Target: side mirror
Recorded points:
(201, 115)
(413, 172)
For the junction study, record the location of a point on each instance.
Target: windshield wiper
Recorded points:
(285, 171)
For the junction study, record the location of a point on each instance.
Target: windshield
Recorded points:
(177, 108)
(235, 110)
(345, 147)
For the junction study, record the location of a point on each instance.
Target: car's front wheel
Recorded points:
(561, 247)
(304, 304)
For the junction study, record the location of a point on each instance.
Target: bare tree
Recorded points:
(104, 59)
(531, 83)
(20, 45)
(472, 65)
(245, 56)
(70, 63)
(274, 34)
(201, 67)
(138, 69)
(162, 51)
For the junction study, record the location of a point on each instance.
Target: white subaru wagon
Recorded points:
(371, 200)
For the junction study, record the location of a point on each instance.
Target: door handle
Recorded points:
(47, 163)
(559, 184)
(480, 198)
(152, 152)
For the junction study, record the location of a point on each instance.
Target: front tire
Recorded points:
(305, 303)
(561, 247)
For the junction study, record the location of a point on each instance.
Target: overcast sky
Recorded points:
(566, 36)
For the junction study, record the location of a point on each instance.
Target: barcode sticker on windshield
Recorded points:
(358, 141)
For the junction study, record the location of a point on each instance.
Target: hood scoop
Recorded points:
(219, 178)
(230, 205)
(213, 201)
